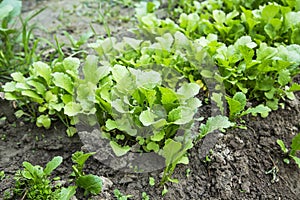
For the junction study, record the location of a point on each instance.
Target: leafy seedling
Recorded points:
(120, 196)
(295, 146)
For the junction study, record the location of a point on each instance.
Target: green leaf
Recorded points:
(269, 12)
(282, 146)
(295, 87)
(8, 4)
(63, 81)
(40, 88)
(93, 73)
(214, 123)
(43, 70)
(217, 98)
(188, 90)
(43, 120)
(90, 183)
(72, 109)
(5, 10)
(158, 136)
(33, 95)
(296, 143)
(297, 160)
(170, 150)
(284, 77)
(71, 64)
(9, 87)
(147, 117)
(168, 96)
(52, 165)
(80, 158)
(153, 146)
(67, 193)
(18, 77)
(119, 150)
(260, 109)
(181, 115)
(110, 125)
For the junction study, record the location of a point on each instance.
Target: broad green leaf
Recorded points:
(235, 107)
(80, 158)
(67, 193)
(260, 109)
(269, 12)
(217, 98)
(16, 6)
(119, 150)
(188, 90)
(52, 165)
(63, 81)
(181, 115)
(132, 42)
(168, 96)
(110, 125)
(240, 97)
(153, 146)
(296, 143)
(294, 87)
(147, 117)
(33, 95)
(71, 64)
(43, 70)
(43, 120)
(212, 124)
(40, 88)
(93, 73)
(5, 10)
(284, 77)
(170, 150)
(9, 87)
(158, 136)
(72, 109)
(18, 77)
(219, 16)
(90, 183)
(148, 79)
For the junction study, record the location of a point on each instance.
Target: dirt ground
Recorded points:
(237, 169)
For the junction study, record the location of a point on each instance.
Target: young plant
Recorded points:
(120, 196)
(19, 50)
(33, 182)
(295, 146)
(237, 106)
(90, 183)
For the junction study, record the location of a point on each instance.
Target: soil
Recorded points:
(236, 168)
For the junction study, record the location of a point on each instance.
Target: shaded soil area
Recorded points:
(236, 168)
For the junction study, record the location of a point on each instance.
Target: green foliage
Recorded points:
(90, 183)
(255, 50)
(17, 50)
(237, 106)
(120, 196)
(295, 146)
(33, 182)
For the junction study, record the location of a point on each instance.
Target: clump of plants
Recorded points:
(34, 182)
(17, 48)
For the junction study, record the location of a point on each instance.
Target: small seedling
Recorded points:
(295, 146)
(120, 196)
(151, 181)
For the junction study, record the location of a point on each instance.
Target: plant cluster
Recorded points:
(254, 43)
(17, 49)
(33, 182)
